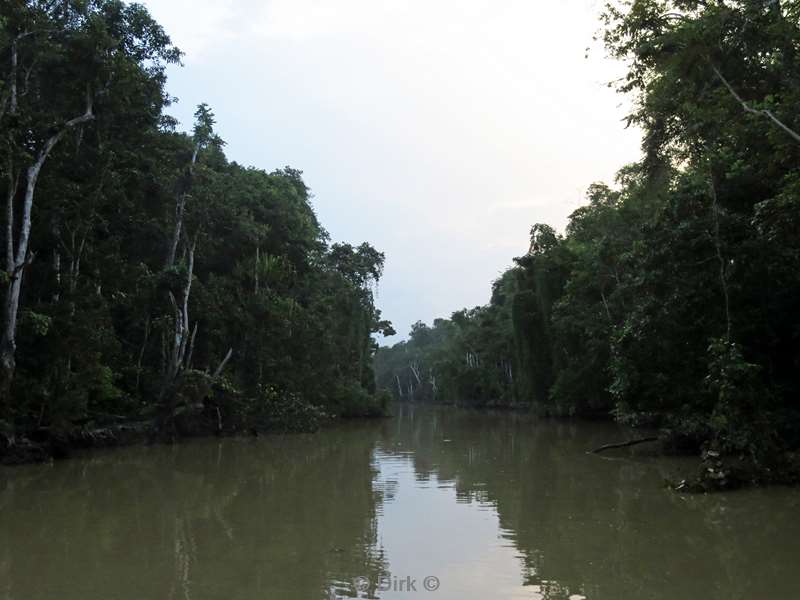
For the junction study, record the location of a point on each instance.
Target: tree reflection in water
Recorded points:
(494, 505)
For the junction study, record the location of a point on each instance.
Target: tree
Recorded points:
(170, 285)
(65, 60)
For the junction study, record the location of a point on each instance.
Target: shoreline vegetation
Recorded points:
(153, 288)
(672, 300)
(714, 473)
(200, 421)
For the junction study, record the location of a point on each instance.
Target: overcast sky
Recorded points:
(437, 130)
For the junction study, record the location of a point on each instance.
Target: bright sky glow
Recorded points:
(438, 131)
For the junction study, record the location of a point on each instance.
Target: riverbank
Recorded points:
(715, 473)
(508, 495)
(42, 445)
(200, 421)
(718, 473)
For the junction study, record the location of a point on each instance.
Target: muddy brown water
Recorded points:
(442, 504)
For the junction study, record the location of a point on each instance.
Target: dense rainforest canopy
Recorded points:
(146, 276)
(673, 297)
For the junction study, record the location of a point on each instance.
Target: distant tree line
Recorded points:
(146, 276)
(673, 298)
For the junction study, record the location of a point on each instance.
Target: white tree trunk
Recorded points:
(415, 370)
(180, 209)
(17, 259)
(224, 362)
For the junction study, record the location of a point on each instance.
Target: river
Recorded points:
(435, 503)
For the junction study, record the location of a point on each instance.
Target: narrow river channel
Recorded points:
(442, 504)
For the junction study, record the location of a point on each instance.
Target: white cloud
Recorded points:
(198, 27)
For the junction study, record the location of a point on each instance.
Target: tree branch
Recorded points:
(623, 444)
(224, 362)
(188, 360)
(755, 111)
(36, 167)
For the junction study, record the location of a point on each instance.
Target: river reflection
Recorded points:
(492, 506)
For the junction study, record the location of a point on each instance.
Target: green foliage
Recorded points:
(272, 410)
(351, 400)
(742, 420)
(97, 327)
(467, 359)
(697, 242)
(37, 324)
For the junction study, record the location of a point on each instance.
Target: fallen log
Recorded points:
(624, 444)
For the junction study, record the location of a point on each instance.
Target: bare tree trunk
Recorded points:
(14, 76)
(182, 342)
(19, 259)
(180, 210)
(182, 335)
(57, 275)
(8, 343)
(13, 184)
(76, 254)
(255, 272)
(415, 370)
(13, 102)
(224, 362)
(180, 207)
(188, 361)
(142, 351)
(605, 305)
(723, 270)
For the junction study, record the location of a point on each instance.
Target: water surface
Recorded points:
(491, 506)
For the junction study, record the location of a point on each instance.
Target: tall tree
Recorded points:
(65, 59)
